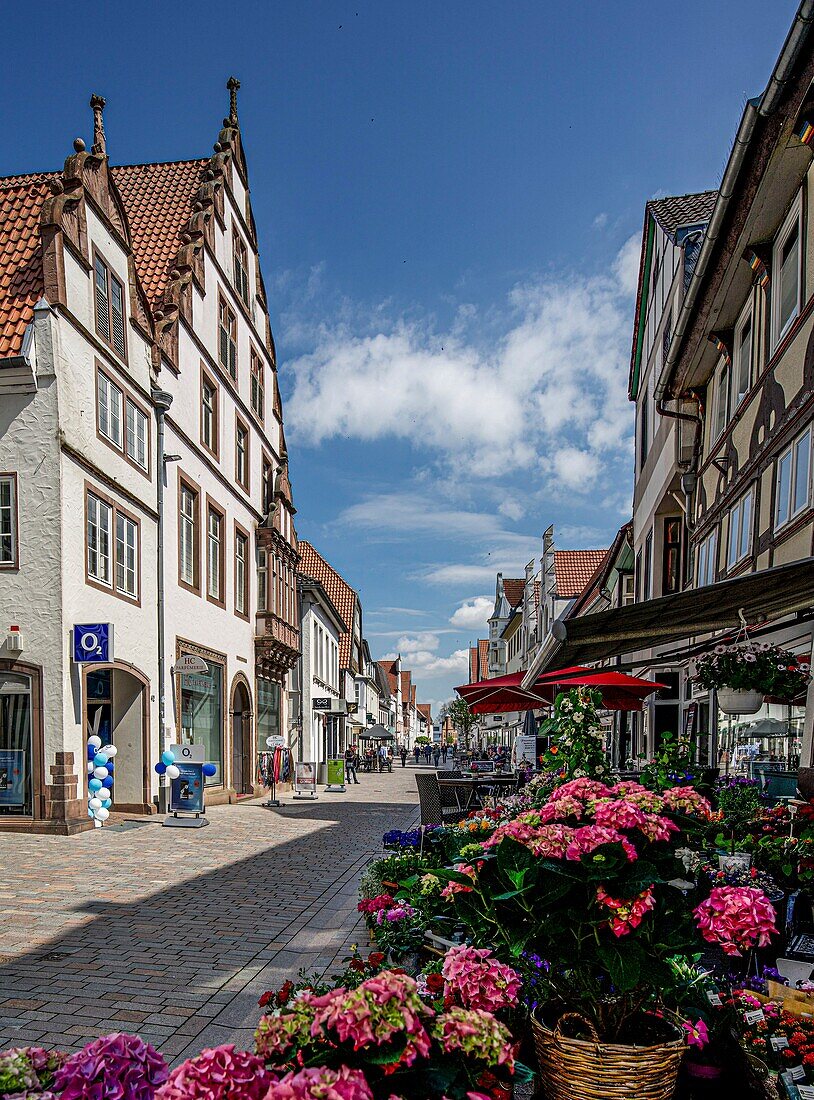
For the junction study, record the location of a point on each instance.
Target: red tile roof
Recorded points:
(574, 568)
(473, 664)
(513, 588)
(21, 278)
(483, 659)
(340, 593)
(389, 669)
(426, 710)
(158, 201)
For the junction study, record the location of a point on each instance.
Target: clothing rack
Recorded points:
(274, 766)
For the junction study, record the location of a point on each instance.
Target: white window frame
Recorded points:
(734, 379)
(723, 381)
(97, 548)
(9, 522)
(214, 551)
(186, 543)
(136, 434)
(707, 559)
(241, 573)
(262, 578)
(738, 549)
(110, 410)
(791, 453)
(127, 551)
(794, 219)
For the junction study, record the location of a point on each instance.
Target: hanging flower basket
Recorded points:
(579, 1069)
(739, 700)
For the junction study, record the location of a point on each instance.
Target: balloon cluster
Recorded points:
(100, 783)
(167, 766)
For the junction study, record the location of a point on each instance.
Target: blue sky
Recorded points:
(448, 197)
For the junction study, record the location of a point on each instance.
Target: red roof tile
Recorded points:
(426, 710)
(574, 568)
(340, 593)
(483, 659)
(389, 669)
(158, 201)
(513, 588)
(21, 278)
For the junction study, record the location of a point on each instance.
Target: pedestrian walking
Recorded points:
(444, 751)
(404, 756)
(417, 752)
(382, 758)
(350, 766)
(436, 755)
(427, 753)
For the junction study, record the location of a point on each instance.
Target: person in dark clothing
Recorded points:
(403, 756)
(417, 751)
(350, 766)
(436, 755)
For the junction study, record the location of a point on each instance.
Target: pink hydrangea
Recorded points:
(278, 1035)
(321, 1083)
(477, 1033)
(619, 814)
(686, 800)
(478, 980)
(590, 837)
(581, 788)
(736, 918)
(637, 794)
(219, 1073)
(626, 913)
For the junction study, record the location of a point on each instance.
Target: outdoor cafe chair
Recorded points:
(436, 809)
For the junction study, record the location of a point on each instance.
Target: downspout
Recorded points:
(755, 109)
(162, 401)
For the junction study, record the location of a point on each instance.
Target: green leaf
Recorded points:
(623, 963)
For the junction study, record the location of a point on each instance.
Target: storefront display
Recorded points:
(15, 744)
(268, 709)
(202, 715)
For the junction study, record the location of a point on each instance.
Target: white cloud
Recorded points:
(425, 664)
(511, 508)
(473, 613)
(601, 220)
(554, 376)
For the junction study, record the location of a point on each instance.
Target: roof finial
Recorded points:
(233, 84)
(99, 147)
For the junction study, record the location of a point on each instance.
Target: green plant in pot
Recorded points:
(739, 809)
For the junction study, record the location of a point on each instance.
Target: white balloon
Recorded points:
(110, 750)
(95, 742)
(101, 814)
(101, 773)
(172, 771)
(91, 766)
(95, 803)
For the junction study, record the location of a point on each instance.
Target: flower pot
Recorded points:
(734, 861)
(739, 701)
(579, 1069)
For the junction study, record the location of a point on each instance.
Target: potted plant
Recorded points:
(743, 673)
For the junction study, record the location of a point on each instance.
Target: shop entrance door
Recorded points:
(115, 710)
(241, 742)
(16, 745)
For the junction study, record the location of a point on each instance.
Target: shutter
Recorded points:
(233, 358)
(224, 346)
(117, 314)
(102, 304)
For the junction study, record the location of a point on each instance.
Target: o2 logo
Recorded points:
(93, 643)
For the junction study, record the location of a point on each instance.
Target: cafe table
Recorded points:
(467, 788)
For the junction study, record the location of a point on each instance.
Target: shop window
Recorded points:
(786, 273)
(258, 371)
(707, 559)
(112, 561)
(227, 339)
(268, 709)
(214, 554)
(793, 493)
(241, 572)
(201, 695)
(671, 556)
(188, 537)
(8, 522)
(109, 305)
(16, 745)
(241, 454)
(210, 414)
(740, 530)
(241, 259)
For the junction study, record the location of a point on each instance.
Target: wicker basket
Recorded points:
(579, 1069)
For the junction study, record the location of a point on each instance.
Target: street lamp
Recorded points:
(162, 400)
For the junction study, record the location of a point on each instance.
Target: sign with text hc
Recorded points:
(93, 643)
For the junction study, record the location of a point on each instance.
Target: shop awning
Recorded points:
(769, 594)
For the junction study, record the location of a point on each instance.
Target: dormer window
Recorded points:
(109, 305)
(241, 258)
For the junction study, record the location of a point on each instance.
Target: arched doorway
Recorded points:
(117, 709)
(241, 709)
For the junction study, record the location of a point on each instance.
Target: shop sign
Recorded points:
(321, 704)
(12, 777)
(336, 773)
(188, 754)
(187, 791)
(275, 741)
(190, 663)
(93, 643)
(305, 777)
(525, 744)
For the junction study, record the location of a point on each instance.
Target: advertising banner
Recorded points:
(187, 791)
(12, 777)
(525, 747)
(305, 777)
(336, 773)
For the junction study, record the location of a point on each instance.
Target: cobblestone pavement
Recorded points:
(175, 933)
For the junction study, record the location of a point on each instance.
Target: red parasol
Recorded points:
(504, 693)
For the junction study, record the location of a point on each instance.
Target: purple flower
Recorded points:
(116, 1067)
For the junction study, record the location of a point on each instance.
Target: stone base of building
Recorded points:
(45, 825)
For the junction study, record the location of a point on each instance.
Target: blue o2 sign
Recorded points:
(93, 643)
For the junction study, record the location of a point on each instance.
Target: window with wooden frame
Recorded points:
(721, 407)
(122, 422)
(787, 272)
(241, 566)
(189, 536)
(108, 296)
(241, 453)
(267, 486)
(112, 555)
(215, 553)
(227, 338)
(742, 364)
(707, 559)
(241, 261)
(740, 529)
(9, 522)
(793, 488)
(671, 555)
(262, 578)
(258, 397)
(210, 413)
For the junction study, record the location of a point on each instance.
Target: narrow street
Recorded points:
(174, 934)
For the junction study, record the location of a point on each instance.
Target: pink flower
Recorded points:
(477, 1033)
(476, 978)
(686, 800)
(697, 1034)
(590, 837)
(321, 1083)
(626, 913)
(219, 1073)
(736, 917)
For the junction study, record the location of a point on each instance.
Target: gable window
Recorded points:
(210, 414)
(721, 414)
(258, 386)
(241, 454)
(241, 257)
(111, 546)
(214, 554)
(188, 539)
(109, 306)
(262, 578)
(793, 480)
(740, 530)
(227, 339)
(707, 559)
(241, 572)
(742, 367)
(786, 273)
(8, 521)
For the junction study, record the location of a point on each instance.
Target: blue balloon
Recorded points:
(108, 783)
(168, 757)
(109, 765)
(95, 785)
(209, 769)
(107, 802)
(91, 752)
(160, 768)
(100, 760)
